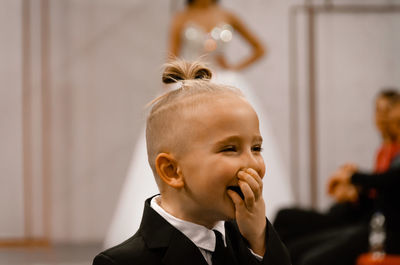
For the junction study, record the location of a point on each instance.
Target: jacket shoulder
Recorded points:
(131, 251)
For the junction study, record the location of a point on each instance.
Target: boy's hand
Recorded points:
(250, 212)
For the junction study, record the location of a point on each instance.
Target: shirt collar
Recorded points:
(200, 235)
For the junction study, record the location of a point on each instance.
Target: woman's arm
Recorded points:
(258, 49)
(174, 45)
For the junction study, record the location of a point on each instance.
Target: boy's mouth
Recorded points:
(237, 190)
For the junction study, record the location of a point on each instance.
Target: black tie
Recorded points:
(220, 252)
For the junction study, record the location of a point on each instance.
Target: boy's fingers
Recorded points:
(255, 187)
(239, 203)
(256, 176)
(248, 193)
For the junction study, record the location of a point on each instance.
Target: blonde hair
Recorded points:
(164, 127)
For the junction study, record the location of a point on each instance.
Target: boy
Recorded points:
(204, 147)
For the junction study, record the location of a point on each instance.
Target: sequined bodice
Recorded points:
(196, 41)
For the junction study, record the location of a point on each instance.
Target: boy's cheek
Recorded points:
(230, 166)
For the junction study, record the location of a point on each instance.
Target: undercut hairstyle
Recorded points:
(165, 126)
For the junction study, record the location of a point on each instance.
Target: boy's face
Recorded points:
(382, 109)
(223, 139)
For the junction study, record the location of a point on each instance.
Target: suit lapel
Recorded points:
(156, 230)
(158, 233)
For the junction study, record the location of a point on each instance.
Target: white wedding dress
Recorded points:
(140, 184)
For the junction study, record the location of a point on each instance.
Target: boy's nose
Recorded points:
(250, 160)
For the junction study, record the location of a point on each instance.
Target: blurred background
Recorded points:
(76, 75)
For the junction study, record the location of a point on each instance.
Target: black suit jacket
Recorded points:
(158, 242)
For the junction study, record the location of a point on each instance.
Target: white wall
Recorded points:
(11, 155)
(105, 62)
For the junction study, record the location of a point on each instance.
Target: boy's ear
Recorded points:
(168, 170)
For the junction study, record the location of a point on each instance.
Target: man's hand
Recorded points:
(339, 185)
(345, 193)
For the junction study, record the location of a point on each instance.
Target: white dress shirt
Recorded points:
(201, 236)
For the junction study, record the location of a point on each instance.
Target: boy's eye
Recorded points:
(257, 148)
(229, 148)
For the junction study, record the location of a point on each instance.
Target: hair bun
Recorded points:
(179, 70)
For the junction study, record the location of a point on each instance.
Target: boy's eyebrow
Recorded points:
(229, 139)
(258, 138)
(236, 138)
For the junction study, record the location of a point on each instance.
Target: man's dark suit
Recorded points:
(158, 242)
